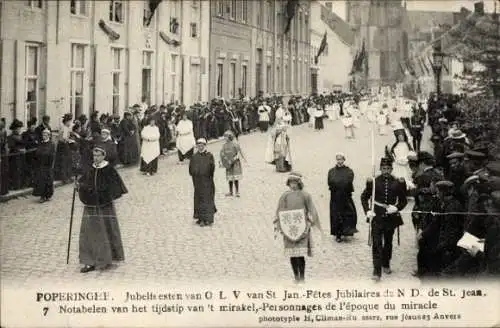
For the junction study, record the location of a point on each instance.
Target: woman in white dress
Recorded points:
(399, 152)
(311, 109)
(185, 138)
(347, 121)
(150, 149)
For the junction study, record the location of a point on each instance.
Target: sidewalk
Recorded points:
(26, 192)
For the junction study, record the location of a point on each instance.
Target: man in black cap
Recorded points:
(450, 225)
(473, 161)
(389, 198)
(457, 173)
(417, 122)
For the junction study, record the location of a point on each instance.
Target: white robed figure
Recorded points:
(279, 114)
(311, 109)
(399, 152)
(150, 149)
(185, 138)
(278, 145)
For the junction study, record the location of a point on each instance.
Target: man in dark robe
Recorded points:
(44, 172)
(201, 169)
(128, 147)
(100, 239)
(343, 217)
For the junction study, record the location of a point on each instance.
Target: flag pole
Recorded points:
(372, 204)
(71, 218)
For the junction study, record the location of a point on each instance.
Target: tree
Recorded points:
(477, 40)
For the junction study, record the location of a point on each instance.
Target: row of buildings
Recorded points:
(79, 56)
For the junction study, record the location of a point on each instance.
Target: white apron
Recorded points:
(185, 141)
(150, 143)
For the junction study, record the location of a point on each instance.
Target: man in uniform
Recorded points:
(389, 199)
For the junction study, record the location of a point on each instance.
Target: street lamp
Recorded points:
(437, 66)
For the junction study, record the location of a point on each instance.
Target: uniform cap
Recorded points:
(384, 161)
(494, 168)
(455, 155)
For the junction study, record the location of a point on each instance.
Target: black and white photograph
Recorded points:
(287, 163)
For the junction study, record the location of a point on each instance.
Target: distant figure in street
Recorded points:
(382, 123)
(150, 149)
(100, 238)
(230, 160)
(201, 169)
(185, 138)
(278, 149)
(128, 146)
(343, 218)
(264, 112)
(292, 200)
(318, 118)
(44, 172)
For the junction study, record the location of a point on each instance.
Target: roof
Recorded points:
(337, 25)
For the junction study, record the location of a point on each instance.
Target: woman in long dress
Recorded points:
(100, 238)
(44, 172)
(297, 199)
(230, 160)
(150, 149)
(185, 138)
(399, 152)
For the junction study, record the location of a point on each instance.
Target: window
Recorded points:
(220, 8)
(231, 8)
(31, 80)
(175, 13)
(194, 30)
(269, 80)
(278, 77)
(269, 14)
(34, 3)
(244, 11)
(77, 78)
(286, 87)
(258, 73)
(279, 25)
(220, 76)
(116, 13)
(232, 80)
(147, 69)
(78, 7)
(259, 13)
(116, 73)
(244, 80)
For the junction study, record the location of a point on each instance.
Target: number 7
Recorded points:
(45, 310)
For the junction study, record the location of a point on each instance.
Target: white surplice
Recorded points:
(185, 139)
(150, 143)
(401, 167)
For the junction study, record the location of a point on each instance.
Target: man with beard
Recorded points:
(389, 199)
(201, 169)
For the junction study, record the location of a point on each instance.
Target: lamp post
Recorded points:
(437, 66)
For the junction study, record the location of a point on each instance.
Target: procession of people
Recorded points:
(454, 186)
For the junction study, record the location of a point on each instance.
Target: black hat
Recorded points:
(475, 155)
(445, 185)
(424, 156)
(494, 168)
(385, 161)
(16, 124)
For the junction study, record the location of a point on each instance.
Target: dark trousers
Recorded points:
(298, 267)
(416, 141)
(187, 155)
(382, 235)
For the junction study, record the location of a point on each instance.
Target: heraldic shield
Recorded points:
(293, 224)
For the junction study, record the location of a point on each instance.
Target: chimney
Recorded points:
(328, 5)
(479, 8)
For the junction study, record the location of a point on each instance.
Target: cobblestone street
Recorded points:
(162, 243)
